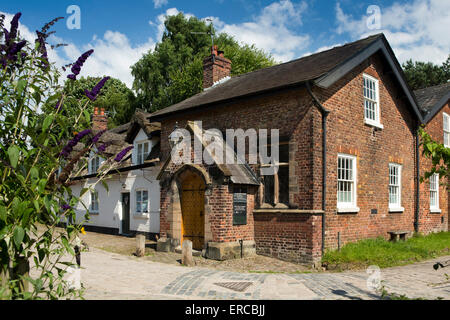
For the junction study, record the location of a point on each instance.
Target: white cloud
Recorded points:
(160, 3)
(271, 30)
(416, 30)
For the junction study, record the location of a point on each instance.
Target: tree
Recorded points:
(174, 70)
(35, 197)
(115, 97)
(426, 74)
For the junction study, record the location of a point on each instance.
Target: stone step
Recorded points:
(195, 253)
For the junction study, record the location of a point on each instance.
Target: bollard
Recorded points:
(140, 245)
(187, 259)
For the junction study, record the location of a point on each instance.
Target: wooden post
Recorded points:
(187, 259)
(140, 245)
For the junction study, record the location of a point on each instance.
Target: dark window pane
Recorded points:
(283, 178)
(284, 153)
(269, 189)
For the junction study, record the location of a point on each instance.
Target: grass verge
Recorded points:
(384, 253)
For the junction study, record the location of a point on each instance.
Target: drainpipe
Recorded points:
(325, 114)
(416, 214)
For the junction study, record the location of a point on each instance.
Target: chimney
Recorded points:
(99, 119)
(215, 68)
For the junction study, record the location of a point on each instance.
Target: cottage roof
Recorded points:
(117, 139)
(432, 99)
(140, 121)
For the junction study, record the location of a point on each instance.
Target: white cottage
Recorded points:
(130, 203)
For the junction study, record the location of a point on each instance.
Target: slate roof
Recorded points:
(140, 121)
(429, 98)
(278, 76)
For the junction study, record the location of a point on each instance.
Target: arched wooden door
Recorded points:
(193, 210)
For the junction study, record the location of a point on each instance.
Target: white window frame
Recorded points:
(446, 129)
(94, 196)
(141, 201)
(395, 207)
(376, 100)
(94, 164)
(434, 189)
(142, 156)
(351, 206)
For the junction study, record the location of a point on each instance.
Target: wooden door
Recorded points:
(125, 213)
(193, 211)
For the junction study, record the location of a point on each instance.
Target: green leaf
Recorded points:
(20, 86)
(42, 184)
(18, 235)
(34, 174)
(13, 153)
(47, 122)
(3, 214)
(83, 191)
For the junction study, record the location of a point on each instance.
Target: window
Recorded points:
(94, 165)
(347, 183)
(395, 191)
(371, 101)
(94, 202)
(142, 201)
(142, 152)
(446, 130)
(276, 187)
(434, 192)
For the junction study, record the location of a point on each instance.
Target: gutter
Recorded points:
(125, 169)
(325, 114)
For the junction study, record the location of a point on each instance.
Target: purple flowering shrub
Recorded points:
(37, 161)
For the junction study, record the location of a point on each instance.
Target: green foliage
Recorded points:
(384, 253)
(439, 155)
(174, 70)
(115, 97)
(426, 74)
(31, 191)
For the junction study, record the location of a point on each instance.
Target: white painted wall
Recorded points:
(110, 203)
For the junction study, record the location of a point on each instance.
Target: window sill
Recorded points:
(94, 213)
(141, 215)
(374, 124)
(348, 210)
(279, 210)
(396, 209)
(435, 210)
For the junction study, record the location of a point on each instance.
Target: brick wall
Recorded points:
(374, 149)
(289, 236)
(428, 221)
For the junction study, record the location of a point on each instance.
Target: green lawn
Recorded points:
(387, 254)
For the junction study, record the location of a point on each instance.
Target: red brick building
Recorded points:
(434, 102)
(348, 158)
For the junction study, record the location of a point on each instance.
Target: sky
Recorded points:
(120, 31)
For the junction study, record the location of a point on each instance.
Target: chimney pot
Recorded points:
(99, 119)
(215, 67)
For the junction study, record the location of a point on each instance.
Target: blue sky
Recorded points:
(121, 31)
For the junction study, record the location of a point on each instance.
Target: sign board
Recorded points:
(240, 206)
